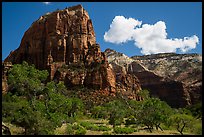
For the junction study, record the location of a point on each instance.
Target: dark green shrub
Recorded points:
(103, 128)
(93, 128)
(106, 133)
(76, 126)
(85, 124)
(130, 120)
(80, 131)
(99, 112)
(69, 129)
(197, 127)
(124, 130)
(89, 126)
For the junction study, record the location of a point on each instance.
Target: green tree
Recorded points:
(99, 112)
(26, 80)
(182, 121)
(196, 110)
(17, 110)
(116, 111)
(34, 105)
(154, 112)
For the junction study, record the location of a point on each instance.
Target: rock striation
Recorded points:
(64, 43)
(66, 39)
(162, 76)
(184, 68)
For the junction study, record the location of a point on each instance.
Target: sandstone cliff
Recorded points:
(159, 78)
(66, 39)
(64, 43)
(185, 68)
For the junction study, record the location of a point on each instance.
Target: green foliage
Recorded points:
(196, 109)
(144, 94)
(116, 111)
(103, 128)
(80, 131)
(26, 80)
(93, 127)
(89, 126)
(18, 111)
(75, 129)
(197, 127)
(106, 133)
(40, 108)
(130, 120)
(154, 112)
(99, 112)
(75, 126)
(69, 129)
(36, 106)
(182, 121)
(124, 130)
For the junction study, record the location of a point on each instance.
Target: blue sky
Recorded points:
(178, 19)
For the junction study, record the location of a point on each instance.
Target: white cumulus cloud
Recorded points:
(119, 34)
(151, 39)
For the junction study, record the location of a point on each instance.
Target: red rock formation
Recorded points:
(126, 84)
(169, 90)
(66, 38)
(5, 68)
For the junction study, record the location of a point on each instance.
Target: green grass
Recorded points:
(124, 130)
(88, 126)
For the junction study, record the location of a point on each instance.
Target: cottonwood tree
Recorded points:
(153, 112)
(182, 121)
(116, 111)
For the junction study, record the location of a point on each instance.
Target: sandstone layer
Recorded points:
(64, 43)
(176, 84)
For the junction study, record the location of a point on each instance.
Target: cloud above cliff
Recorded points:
(151, 39)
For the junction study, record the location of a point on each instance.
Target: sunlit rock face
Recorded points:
(62, 41)
(174, 78)
(184, 68)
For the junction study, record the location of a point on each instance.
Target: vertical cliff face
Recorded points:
(64, 36)
(184, 68)
(64, 43)
(162, 76)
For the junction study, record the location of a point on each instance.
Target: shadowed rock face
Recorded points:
(167, 79)
(62, 41)
(184, 68)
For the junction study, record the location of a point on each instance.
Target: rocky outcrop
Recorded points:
(5, 68)
(171, 90)
(64, 43)
(125, 83)
(184, 68)
(66, 39)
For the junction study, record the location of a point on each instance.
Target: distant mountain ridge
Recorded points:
(184, 70)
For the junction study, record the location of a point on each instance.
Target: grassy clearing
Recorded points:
(103, 124)
(61, 130)
(137, 130)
